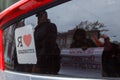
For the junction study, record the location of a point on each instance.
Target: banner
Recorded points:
(84, 59)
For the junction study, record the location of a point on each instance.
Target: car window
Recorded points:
(79, 38)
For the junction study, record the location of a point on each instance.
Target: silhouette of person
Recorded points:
(109, 59)
(48, 53)
(80, 40)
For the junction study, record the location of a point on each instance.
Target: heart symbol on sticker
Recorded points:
(27, 39)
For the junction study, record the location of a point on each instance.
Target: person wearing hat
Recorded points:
(48, 53)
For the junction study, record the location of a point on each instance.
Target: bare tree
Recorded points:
(90, 26)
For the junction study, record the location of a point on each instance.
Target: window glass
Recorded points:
(79, 38)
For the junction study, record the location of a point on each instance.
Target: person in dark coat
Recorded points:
(48, 53)
(80, 40)
(110, 59)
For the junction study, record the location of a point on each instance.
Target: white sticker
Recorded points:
(25, 46)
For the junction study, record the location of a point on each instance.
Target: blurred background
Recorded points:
(5, 3)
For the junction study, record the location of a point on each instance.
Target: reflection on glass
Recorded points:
(100, 21)
(97, 49)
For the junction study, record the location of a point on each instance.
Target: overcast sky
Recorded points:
(70, 14)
